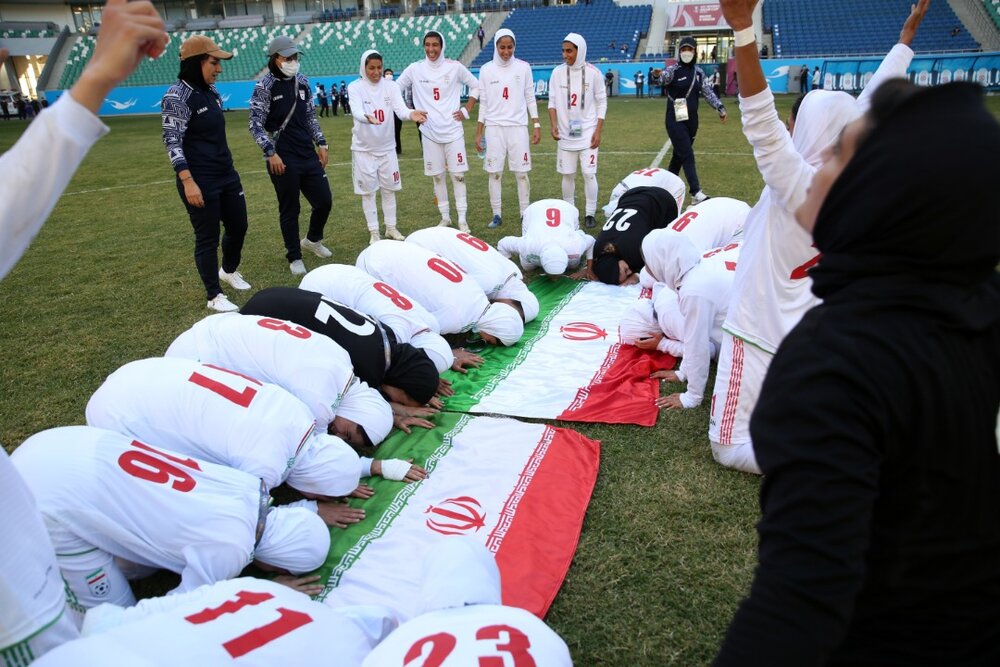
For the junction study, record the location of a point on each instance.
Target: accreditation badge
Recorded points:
(681, 109)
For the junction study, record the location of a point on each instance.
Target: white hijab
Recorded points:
(361, 68)
(497, 60)
(581, 53)
(821, 117)
(440, 59)
(669, 256)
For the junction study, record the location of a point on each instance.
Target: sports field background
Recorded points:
(667, 549)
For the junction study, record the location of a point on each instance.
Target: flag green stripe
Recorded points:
(470, 388)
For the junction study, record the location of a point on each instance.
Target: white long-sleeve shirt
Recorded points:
(437, 89)
(549, 222)
(581, 96)
(38, 168)
(507, 94)
(484, 264)
(703, 299)
(380, 101)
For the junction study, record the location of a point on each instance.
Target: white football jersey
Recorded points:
(381, 101)
(214, 414)
(437, 89)
(451, 295)
(472, 635)
(549, 222)
(652, 177)
(311, 367)
(577, 94)
(506, 94)
(245, 621)
(713, 223)
(476, 257)
(32, 594)
(144, 503)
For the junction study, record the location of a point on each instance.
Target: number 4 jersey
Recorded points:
(244, 621)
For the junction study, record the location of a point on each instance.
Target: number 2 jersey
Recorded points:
(246, 621)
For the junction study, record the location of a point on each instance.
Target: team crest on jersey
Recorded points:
(98, 583)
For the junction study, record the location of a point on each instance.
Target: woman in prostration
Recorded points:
(876, 424)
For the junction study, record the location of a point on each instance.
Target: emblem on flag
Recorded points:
(456, 516)
(98, 583)
(582, 331)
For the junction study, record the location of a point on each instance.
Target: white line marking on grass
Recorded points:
(662, 154)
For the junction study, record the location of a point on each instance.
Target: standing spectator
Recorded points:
(194, 132)
(36, 106)
(763, 51)
(609, 81)
(640, 83)
(324, 106)
(345, 99)
(5, 109)
(649, 82)
(481, 35)
(507, 102)
(804, 79)
(334, 98)
(686, 82)
(373, 161)
(815, 80)
(715, 53)
(283, 123)
(22, 113)
(576, 114)
(435, 84)
(397, 124)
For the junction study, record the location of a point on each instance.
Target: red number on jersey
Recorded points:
(478, 244)
(684, 221)
(280, 325)
(593, 158)
(379, 115)
(152, 469)
(437, 93)
(505, 94)
(572, 100)
(395, 177)
(646, 172)
(713, 253)
(397, 299)
(447, 270)
(552, 217)
(287, 621)
(730, 266)
(517, 646)
(241, 398)
(442, 644)
(802, 271)
(461, 159)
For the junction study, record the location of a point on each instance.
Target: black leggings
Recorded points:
(682, 137)
(228, 206)
(308, 179)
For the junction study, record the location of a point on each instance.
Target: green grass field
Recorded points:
(668, 546)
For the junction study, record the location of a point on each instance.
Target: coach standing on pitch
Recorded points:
(685, 81)
(283, 123)
(194, 132)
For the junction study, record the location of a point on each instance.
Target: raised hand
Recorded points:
(917, 13)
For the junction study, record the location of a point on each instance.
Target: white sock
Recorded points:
(441, 194)
(523, 190)
(370, 211)
(461, 205)
(569, 188)
(389, 208)
(495, 189)
(590, 191)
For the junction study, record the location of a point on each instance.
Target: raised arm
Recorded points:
(899, 57)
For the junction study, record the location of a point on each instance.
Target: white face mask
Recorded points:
(289, 68)
(388, 76)
(687, 56)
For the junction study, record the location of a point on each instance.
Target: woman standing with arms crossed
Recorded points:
(283, 123)
(194, 133)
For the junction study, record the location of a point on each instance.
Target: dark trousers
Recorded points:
(335, 104)
(399, 128)
(228, 206)
(345, 105)
(309, 179)
(682, 137)
(324, 108)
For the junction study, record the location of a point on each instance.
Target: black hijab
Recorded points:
(412, 371)
(917, 206)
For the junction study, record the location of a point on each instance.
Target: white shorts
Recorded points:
(738, 379)
(566, 161)
(371, 172)
(92, 575)
(510, 141)
(451, 157)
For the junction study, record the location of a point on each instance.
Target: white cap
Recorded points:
(294, 539)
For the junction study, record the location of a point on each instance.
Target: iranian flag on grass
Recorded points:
(521, 488)
(570, 364)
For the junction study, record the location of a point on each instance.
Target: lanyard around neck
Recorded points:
(569, 87)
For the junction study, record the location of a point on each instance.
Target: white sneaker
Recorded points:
(444, 223)
(375, 238)
(463, 226)
(393, 233)
(235, 279)
(297, 268)
(317, 248)
(699, 197)
(222, 304)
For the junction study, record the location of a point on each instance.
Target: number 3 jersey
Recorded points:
(142, 503)
(252, 622)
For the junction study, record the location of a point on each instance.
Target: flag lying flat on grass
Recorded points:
(569, 365)
(521, 488)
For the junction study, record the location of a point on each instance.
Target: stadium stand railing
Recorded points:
(859, 27)
(602, 23)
